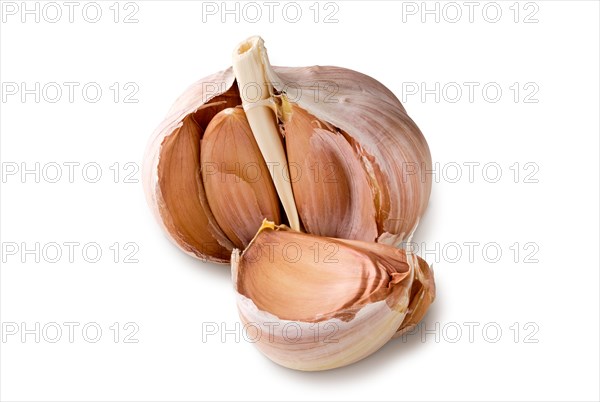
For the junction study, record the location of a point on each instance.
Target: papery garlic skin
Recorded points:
(326, 336)
(324, 345)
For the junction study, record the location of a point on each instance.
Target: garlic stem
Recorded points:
(256, 91)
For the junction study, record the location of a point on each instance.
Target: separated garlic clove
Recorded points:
(320, 303)
(331, 189)
(236, 180)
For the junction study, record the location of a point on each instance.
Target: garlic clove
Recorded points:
(343, 300)
(171, 180)
(183, 208)
(422, 294)
(237, 183)
(331, 190)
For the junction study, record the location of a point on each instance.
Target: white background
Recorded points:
(169, 295)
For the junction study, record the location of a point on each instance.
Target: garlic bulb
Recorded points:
(344, 170)
(374, 190)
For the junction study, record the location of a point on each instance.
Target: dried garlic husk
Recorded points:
(319, 303)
